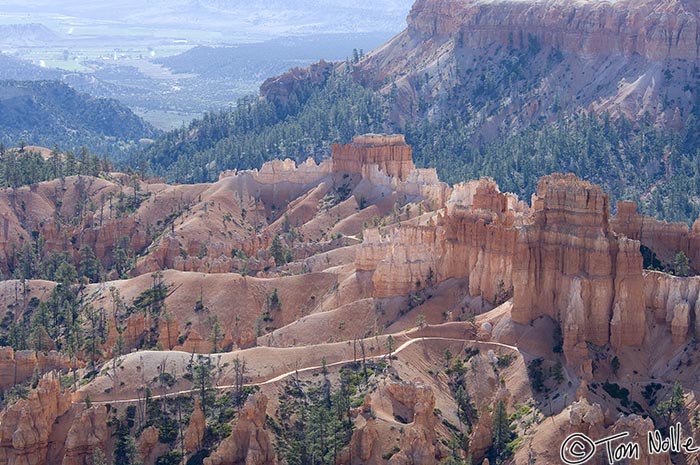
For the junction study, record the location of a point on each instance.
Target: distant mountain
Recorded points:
(50, 113)
(264, 59)
(26, 35)
(236, 20)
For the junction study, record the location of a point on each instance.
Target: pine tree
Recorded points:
(40, 339)
(501, 432)
(89, 265)
(681, 265)
(216, 333)
(277, 250)
(466, 411)
(202, 376)
(124, 445)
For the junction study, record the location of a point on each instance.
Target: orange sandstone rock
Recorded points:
(86, 434)
(389, 152)
(571, 266)
(195, 429)
(25, 426)
(664, 239)
(16, 367)
(250, 442)
(147, 442)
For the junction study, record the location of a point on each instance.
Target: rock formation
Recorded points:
(662, 238)
(468, 240)
(586, 28)
(561, 258)
(674, 301)
(571, 266)
(86, 434)
(638, 428)
(414, 404)
(419, 443)
(250, 442)
(25, 426)
(195, 430)
(16, 367)
(588, 418)
(390, 153)
(147, 442)
(625, 57)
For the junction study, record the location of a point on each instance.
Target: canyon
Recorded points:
(375, 248)
(352, 308)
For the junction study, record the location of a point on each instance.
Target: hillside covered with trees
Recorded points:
(637, 161)
(50, 113)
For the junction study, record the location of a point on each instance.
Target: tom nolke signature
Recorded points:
(578, 448)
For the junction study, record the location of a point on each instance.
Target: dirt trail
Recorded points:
(310, 368)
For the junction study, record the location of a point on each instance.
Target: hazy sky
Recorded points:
(210, 17)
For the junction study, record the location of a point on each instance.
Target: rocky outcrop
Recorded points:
(589, 419)
(147, 442)
(194, 342)
(276, 171)
(412, 403)
(638, 428)
(280, 89)
(473, 238)
(387, 161)
(135, 330)
(195, 429)
(389, 152)
(570, 266)
(418, 443)
(586, 418)
(625, 57)
(57, 211)
(674, 301)
(364, 442)
(664, 239)
(653, 29)
(593, 420)
(168, 333)
(628, 324)
(250, 442)
(87, 433)
(560, 258)
(16, 367)
(25, 426)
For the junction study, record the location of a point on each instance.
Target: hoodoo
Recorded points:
(284, 267)
(390, 153)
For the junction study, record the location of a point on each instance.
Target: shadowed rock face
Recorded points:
(664, 239)
(87, 433)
